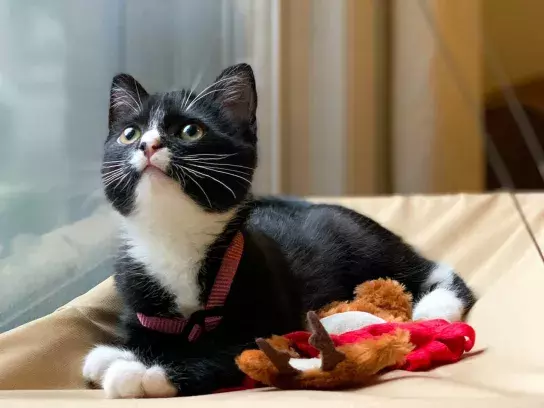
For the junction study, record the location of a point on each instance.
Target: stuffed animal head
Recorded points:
(384, 298)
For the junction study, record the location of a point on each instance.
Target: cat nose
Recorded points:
(150, 147)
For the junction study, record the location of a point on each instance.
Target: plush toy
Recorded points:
(350, 343)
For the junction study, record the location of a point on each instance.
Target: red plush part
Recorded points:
(436, 342)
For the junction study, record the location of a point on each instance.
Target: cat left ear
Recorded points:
(236, 93)
(126, 96)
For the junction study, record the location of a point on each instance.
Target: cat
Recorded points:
(197, 245)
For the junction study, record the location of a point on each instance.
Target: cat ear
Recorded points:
(236, 93)
(126, 96)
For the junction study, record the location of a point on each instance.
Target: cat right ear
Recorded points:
(126, 97)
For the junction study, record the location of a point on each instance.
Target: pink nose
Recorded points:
(150, 148)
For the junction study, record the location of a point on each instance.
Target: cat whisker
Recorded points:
(185, 99)
(126, 183)
(223, 166)
(137, 93)
(112, 166)
(222, 172)
(196, 172)
(121, 180)
(200, 95)
(201, 188)
(113, 178)
(121, 97)
(176, 175)
(113, 170)
(109, 183)
(181, 180)
(112, 174)
(205, 156)
(183, 169)
(212, 166)
(193, 87)
(124, 102)
(113, 161)
(210, 154)
(204, 161)
(203, 95)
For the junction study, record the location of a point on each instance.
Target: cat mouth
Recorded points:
(153, 169)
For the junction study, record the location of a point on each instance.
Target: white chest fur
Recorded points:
(170, 234)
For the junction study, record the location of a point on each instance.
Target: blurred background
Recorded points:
(356, 97)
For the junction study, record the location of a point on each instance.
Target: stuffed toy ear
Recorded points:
(387, 295)
(258, 366)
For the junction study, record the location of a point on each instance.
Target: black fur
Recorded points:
(297, 256)
(235, 139)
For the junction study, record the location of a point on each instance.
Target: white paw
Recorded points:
(100, 359)
(121, 375)
(441, 303)
(156, 384)
(123, 379)
(131, 379)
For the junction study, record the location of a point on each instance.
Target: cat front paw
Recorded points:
(121, 375)
(131, 379)
(156, 383)
(123, 379)
(100, 359)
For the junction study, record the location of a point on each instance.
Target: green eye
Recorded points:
(192, 132)
(129, 135)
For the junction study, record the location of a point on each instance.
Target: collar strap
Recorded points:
(208, 318)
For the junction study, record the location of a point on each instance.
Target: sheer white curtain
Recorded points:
(57, 58)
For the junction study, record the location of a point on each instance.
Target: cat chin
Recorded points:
(155, 184)
(154, 172)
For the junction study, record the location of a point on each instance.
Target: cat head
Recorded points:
(204, 143)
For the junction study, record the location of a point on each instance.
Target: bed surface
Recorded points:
(482, 236)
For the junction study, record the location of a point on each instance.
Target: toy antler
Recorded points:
(320, 339)
(280, 359)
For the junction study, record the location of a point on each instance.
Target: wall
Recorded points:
(514, 30)
(331, 142)
(435, 96)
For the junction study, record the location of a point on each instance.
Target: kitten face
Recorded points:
(205, 143)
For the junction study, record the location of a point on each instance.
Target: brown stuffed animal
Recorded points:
(384, 298)
(278, 363)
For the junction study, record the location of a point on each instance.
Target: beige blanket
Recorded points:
(481, 235)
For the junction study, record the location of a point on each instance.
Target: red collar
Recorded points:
(218, 295)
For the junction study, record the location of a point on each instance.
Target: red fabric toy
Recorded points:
(355, 341)
(436, 342)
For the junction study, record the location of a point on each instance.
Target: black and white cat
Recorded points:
(178, 169)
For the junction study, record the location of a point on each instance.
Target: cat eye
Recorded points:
(192, 132)
(130, 135)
